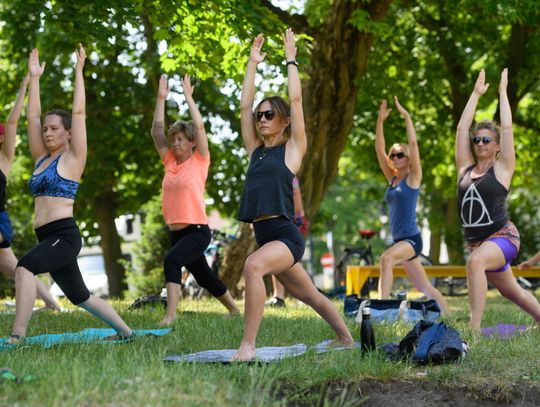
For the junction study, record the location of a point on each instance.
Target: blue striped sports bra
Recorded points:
(50, 183)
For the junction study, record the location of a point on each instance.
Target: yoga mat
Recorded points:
(85, 336)
(264, 355)
(503, 331)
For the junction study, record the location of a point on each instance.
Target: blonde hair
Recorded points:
(404, 147)
(488, 125)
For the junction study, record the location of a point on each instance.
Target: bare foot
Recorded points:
(246, 353)
(168, 320)
(53, 307)
(15, 339)
(234, 313)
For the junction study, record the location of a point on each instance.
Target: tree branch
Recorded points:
(297, 22)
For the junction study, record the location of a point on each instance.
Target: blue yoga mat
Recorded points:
(264, 355)
(85, 336)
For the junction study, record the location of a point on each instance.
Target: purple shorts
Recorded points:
(509, 251)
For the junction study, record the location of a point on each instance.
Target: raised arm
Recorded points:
(201, 141)
(507, 154)
(8, 146)
(298, 140)
(158, 123)
(415, 177)
(78, 120)
(380, 145)
(247, 124)
(35, 134)
(464, 156)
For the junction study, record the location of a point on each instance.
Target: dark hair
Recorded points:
(181, 126)
(64, 115)
(281, 109)
(488, 125)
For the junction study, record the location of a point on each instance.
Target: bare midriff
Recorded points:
(264, 217)
(51, 208)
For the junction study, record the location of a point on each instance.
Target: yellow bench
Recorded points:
(358, 275)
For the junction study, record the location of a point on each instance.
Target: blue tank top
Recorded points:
(50, 183)
(402, 203)
(268, 189)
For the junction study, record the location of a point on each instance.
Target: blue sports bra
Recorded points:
(49, 183)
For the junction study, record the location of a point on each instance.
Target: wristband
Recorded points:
(291, 63)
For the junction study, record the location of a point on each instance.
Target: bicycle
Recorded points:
(361, 256)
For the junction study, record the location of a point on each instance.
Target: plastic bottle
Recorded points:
(401, 295)
(367, 335)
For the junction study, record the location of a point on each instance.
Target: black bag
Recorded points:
(391, 310)
(150, 301)
(428, 342)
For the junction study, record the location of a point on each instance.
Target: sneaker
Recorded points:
(275, 302)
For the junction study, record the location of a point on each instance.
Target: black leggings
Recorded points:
(56, 253)
(188, 246)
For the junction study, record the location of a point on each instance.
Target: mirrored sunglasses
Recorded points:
(484, 140)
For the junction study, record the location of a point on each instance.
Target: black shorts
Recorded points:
(416, 242)
(283, 230)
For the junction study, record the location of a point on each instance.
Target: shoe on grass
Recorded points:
(275, 302)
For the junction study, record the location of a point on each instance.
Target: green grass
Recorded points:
(134, 373)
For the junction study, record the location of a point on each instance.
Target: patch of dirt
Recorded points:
(422, 393)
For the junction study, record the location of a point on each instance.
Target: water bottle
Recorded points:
(401, 295)
(367, 335)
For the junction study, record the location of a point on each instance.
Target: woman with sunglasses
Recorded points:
(275, 138)
(485, 164)
(402, 169)
(186, 159)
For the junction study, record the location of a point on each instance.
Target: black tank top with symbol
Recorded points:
(481, 205)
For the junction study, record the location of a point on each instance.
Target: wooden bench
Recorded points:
(358, 275)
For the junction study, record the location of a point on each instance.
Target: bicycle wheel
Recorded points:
(452, 286)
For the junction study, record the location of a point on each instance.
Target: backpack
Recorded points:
(429, 342)
(150, 301)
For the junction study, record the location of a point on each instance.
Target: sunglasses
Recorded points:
(398, 155)
(268, 115)
(485, 140)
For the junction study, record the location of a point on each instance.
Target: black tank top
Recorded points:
(268, 189)
(481, 205)
(2, 191)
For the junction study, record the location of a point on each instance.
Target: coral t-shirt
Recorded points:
(183, 189)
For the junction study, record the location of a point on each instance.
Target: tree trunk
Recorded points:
(110, 243)
(339, 59)
(234, 258)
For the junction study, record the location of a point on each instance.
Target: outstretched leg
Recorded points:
(297, 282)
(104, 311)
(418, 277)
(507, 285)
(8, 264)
